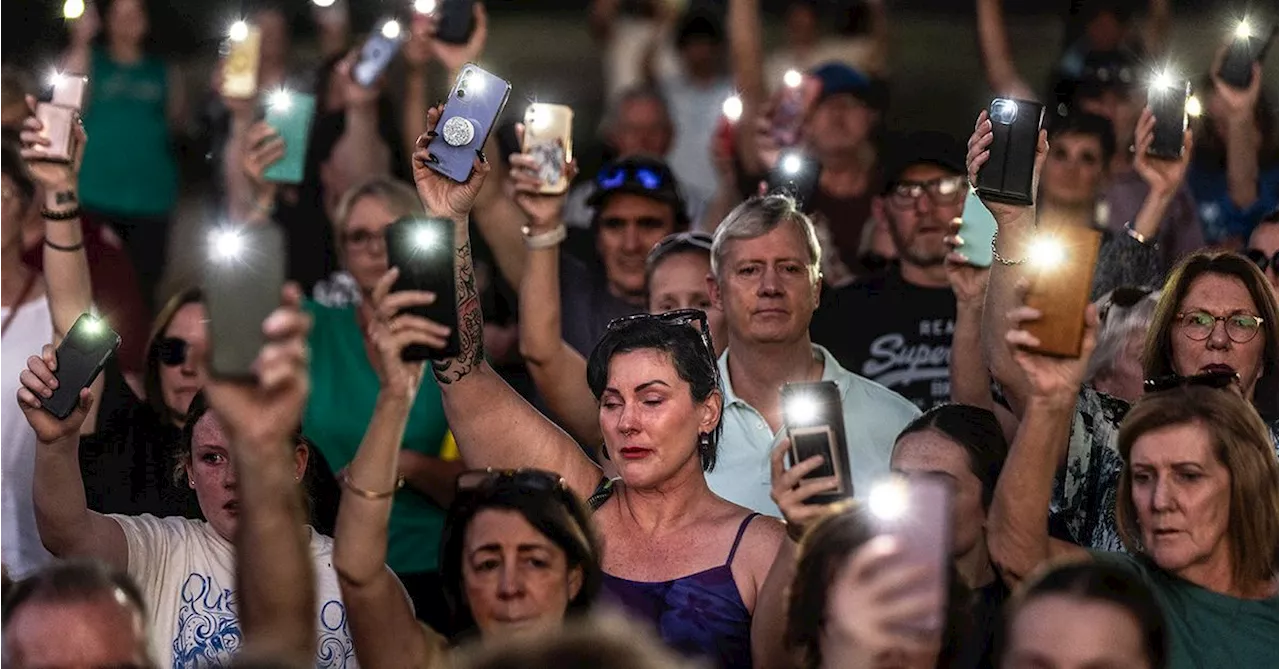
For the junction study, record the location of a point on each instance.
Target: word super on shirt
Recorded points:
(187, 574)
(892, 332)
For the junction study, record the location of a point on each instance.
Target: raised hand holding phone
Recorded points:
(527, 185)
(1163, 175)
(794, 488)
(1051, 377)
(394, 328)
(440, 195)
(450, 51)
(56, 176)
(979, 154)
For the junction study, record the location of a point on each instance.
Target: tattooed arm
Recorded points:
(493, 425)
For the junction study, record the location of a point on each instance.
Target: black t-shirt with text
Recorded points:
(892, 332)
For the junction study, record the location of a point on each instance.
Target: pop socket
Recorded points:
(458, 131)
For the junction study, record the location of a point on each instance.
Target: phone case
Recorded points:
(1061, 291)
(1169, 106)
(240, 292)
(473, 108)
(455, 21)
(548, 137)
(820, 433)
(57, 122)
(240, 69)
(81, 356)
(293, 123)
(922, 527)
(422, 248)
(799, 183)
(1237, 67)
(69, 91)
(375, 56)
(1009, 170)
(977, 229)
(788, 116)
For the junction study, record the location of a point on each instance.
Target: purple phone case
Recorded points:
(473, 108)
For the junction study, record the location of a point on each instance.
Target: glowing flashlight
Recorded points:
(391, 29)
(228, 244)
(1193, 106)
(280, 100)
(424, 6)
(1046, 252)
(801, 410)
(93, 325)
(1163, 80)
(323, 3)
(793, 79)
(791, 164)
(888, 499)
(1244, 30)
(425, 238)
(238, 32)
(56, 79)
(73, 9)
(732, 108)
(536, 117)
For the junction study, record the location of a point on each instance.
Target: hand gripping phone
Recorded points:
(240, 67)
(243, 272)
(916, 511)
(1008, 174)
(1246, 49)
(81, 356)
(815, 424)
(1168, 104)
(796, 174)
(290, 114)
(455, 20)
(1062, 261)
(377, 53)
(977, 229)
(422, 248)
(472, 110)
(65, 98)
(548, 137)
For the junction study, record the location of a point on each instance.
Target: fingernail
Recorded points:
(481, 155)
(959, 240)
(431, 158)
(431, 134)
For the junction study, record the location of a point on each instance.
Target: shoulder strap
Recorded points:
(742, 529)
(601, 495)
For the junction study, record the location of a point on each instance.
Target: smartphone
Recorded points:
(1245, 50)
(473, 108)
(69, 90)
(977, 229)
(548, 137)
(1169, 106)
(243, 272)
(240, 67)
(81, 356)
(916, 511)
(1062, 261)
(290, 114)
(788, 115)
(455, 20)
(1008, 173)
(796, 174)
(815, 425)
(377, 53)
(57, 121)
(422, 247)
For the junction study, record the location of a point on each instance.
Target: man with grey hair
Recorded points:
(765, 276)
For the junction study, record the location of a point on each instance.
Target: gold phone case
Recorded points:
(1061, 291)
(57, 123)
(240, 69)
(548, 137)
(69, 91)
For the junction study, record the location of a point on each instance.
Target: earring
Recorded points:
(191, 482)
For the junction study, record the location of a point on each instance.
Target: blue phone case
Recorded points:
(376, 54)
(473, 108)
(977, 229)
(293, 123)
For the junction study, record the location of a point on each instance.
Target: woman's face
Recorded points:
(1182, 494)
(364, 249)
(932, 453)
(1219, 295)
(516, 580)
(1073, 170)
(127, 21)
(651, 424)
(179, 383)
(1056, 631)
(212, 474)
(680, 282)
(1124, 378)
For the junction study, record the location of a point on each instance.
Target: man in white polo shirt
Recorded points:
(765, 276)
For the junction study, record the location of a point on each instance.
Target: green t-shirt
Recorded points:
(344, 389)
(1206, 629)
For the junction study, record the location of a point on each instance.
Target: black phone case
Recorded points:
(239, 294)
(1169, 106)
(474, 105)
(81, 357)
(823, 434)
(1237, 67)
(1008, 174)
(800, 186)
(430, 269)
(456, 21)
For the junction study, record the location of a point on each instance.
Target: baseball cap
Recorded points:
(837, 79)
(646, 176)
(927, 147)
(1107, 71)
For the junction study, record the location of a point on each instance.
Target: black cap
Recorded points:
(927, 147)
(646, 176)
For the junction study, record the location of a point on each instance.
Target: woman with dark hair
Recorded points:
(1085, 614)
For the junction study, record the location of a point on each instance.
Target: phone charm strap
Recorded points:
(22, 297)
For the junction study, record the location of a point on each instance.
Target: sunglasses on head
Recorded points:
(616, 177)
(1260, 259)
(680, 241)
(674, 317)
(532, 480)
(1217, 380)
(172, 351)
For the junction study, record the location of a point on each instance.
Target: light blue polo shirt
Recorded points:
(873, 417)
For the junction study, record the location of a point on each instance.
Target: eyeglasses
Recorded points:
(172, 351)
(647, 178)
(1199, 325)
(1260, 259)
(1208, 379)
(1124, 297)
(363, 239)
(942, 192)
(680, 241)
(534, 480)
(674, 317)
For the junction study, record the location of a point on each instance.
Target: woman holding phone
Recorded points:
(663, 530)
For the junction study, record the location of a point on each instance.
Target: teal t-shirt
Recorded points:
(344, 389)
(128, 167)
(1206, 629)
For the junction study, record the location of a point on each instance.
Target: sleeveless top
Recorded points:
(700, 615)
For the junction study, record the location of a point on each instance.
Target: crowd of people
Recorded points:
(596, 467)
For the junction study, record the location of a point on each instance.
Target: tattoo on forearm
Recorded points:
(470, 325)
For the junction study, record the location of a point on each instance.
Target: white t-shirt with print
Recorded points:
(187, 575)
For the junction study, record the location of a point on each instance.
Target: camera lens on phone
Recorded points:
(1004, 111)
(462, 93)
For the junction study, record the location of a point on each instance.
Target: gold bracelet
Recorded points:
(345, 480)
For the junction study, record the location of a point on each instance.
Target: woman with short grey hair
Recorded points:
(1115, 367)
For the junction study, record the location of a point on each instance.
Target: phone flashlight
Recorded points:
(73, 9)
(1004, 111)
(323, 3)
(792, 164)
(536, 117)
(732, 108)
(280, 100)
(391, 29)
(93, 325)
(228, 244)
(424, 6)
(793, 79)
(1243, 29)
(238, 32)
(1046, 252)
(888, 499)
(1163, 80)
(56, 79)
(1193, 107)
(801, 410)
(425, 238)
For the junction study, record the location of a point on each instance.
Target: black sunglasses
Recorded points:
(1260, 259)
(1217, 380)
(1124, 297)
(680, 241)
(532, 480)
(674, 317)
(647, 178)
(172, 351)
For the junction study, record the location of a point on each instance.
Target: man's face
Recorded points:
(701, 56)
(840, 123)
(102, 631)
(642, 128)
(1119, 106)
(1073, 170)
(919, 224)
(629, 227)
(767, 287)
